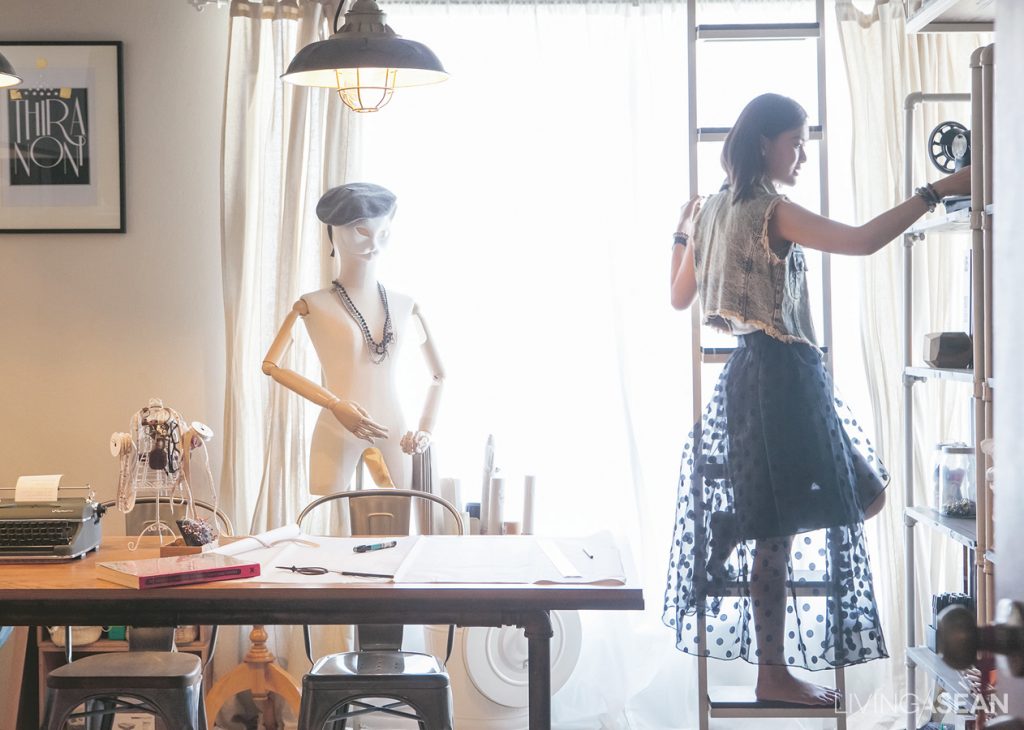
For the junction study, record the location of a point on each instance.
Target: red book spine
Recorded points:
(199, 576)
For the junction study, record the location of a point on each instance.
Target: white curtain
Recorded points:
(884, 64)
(282, 146)
(537, 189)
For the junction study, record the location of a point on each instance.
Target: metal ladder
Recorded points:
(735, 702)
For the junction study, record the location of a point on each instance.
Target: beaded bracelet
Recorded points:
(928, 194)
(680, 239)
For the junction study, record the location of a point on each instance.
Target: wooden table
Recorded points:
(70, 593)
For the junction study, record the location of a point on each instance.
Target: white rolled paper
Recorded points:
(496, 506)
(529, 494)
(451, 490)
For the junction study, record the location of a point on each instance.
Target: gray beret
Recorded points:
(354, 201)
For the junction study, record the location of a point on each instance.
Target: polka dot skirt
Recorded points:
(768, 560)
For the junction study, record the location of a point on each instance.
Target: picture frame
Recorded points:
(62, 138)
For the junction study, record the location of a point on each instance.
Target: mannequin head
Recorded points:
(358, 218)
(363, 238)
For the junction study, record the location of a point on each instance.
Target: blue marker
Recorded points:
(375, 546)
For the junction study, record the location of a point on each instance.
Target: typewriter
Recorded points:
(64, 528)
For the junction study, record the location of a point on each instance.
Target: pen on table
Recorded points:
(374, 546)
(586, 553)
(365, 575)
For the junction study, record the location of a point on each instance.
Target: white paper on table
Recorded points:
(334, 553)
(511, 559)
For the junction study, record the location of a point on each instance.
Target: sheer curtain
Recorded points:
(884, 64)
(281, 146)
(537, 189)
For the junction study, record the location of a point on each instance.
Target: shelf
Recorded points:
(943, 16)
(963, 530)
(961, 376)
(106, 645)
(958, 220)
(758, 31)
(950, 679)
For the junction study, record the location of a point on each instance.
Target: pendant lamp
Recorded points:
(7, 75)
(365, 60)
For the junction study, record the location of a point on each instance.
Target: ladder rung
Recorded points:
(721, 354)
(718, 134)
(727, 701)
(805, 583)
(758, 31)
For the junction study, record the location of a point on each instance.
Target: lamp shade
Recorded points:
(365, 60)
(7, 75)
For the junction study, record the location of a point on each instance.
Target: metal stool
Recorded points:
(336, 685)
(160, 681)
(334, 688)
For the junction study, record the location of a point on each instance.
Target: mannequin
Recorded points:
(359, 397)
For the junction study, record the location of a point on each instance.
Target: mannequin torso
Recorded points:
(359, 396)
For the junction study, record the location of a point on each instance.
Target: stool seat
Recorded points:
(136, 669)
(336, 686)
(373, 666)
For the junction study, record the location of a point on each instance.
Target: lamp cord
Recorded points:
(337, 14)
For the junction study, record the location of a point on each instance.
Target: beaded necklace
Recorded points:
(378, 350)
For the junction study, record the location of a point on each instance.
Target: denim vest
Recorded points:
(740, 278)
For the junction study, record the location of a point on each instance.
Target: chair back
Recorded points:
(138, 520)
(383, 513)
(387, 512)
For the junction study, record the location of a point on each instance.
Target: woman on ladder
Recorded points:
(780, 478)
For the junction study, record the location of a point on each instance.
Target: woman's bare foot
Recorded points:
(777, 684)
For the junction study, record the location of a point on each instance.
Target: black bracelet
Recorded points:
(929, 195)
(680, 239)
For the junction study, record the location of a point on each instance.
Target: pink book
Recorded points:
(177, 570)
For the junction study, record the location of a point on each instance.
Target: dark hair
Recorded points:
(767, 115)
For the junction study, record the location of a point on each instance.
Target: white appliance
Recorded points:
(489, 670)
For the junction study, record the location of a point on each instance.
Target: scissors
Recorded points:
(317, 570)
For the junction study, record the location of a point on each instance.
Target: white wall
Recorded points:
(93, 325)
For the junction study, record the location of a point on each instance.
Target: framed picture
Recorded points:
(62, 139)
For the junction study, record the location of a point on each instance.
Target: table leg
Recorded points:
(537, 627)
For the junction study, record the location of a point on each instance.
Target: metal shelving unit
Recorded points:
(974, 534)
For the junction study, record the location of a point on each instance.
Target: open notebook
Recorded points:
(522, 559)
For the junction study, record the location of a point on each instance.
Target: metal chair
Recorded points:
(417, 685)
(137, 526)
(158, 679)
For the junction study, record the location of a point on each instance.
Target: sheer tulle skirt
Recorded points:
(770, 517)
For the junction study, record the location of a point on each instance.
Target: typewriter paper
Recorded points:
(40, 488)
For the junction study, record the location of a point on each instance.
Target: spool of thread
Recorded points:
(474, 522)
(529, 495)
(496, 506)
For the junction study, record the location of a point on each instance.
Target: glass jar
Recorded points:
(955, 494)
